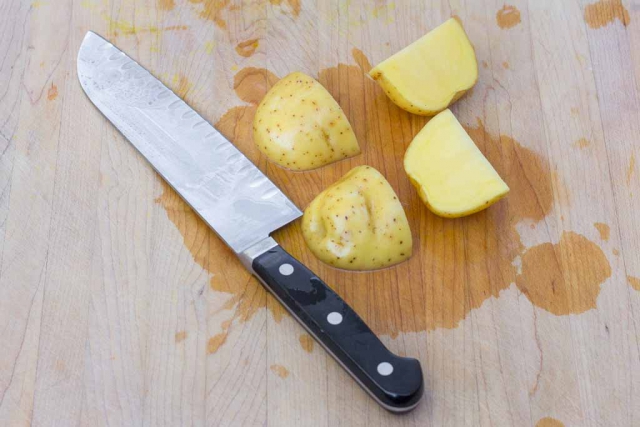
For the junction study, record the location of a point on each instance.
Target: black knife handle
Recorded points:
(394, 381)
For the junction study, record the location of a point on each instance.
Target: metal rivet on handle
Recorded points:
(385, 368)
(286, 269)
(334, 318)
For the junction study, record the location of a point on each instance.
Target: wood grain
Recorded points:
(118, 306)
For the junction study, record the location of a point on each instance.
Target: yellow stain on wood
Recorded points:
(306, 342)
(549, 422)
(52, 93)
(564, 278)
(484, 64)
(180, 336)
(632, 168)
(604, 12)
(508, 17)
(209, 46)
(181, 85)
(582, 142)
(215, 342)
(384, 11)
(121, 27)
(615, 252)
(36, 4)
(603, 229)
(294, 5)
(505, 65)
(247, 48)
(88, 4)
(280, 370)
(634, 282)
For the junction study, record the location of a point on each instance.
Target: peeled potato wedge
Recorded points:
(299, 125)
(451, 175)
(431, 73)
(358, 223)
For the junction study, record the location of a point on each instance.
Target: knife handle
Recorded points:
(394, 382)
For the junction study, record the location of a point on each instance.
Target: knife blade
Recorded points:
(243, 207)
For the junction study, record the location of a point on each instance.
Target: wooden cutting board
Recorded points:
(118, 306)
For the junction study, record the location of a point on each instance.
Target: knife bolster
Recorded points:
(248, 255)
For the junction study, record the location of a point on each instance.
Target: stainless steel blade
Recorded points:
(228, 191)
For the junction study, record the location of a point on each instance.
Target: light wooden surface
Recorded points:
(118, 307)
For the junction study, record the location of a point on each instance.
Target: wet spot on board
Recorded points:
(247, 47)
(582, 142)
(574, 112)
(361, 59)
(306, 342)
(604, 12)
(564, 278)
(215, 342)
(489, 238)
(180, 336)
(485, 243)
(52, 93)
(603, 229)
(508, 17)
(294, 6)
(166, 4)
(632, 167)
(214, 10)
(634, 282)
(280, 371)
(549, 422)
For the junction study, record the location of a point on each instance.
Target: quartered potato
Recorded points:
(431, 73)
(450, 173)
(299, 125)
(358, 223)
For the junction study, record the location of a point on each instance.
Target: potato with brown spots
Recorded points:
(299, 126)
(358, 223)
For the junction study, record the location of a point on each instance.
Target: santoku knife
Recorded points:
(243, 207)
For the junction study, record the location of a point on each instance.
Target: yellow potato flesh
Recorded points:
(431, 73)
(358, 223)
(299, 125)
(451, 174)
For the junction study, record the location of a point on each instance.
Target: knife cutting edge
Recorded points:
(243, 207)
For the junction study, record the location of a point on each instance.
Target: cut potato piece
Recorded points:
(299, 125)
(452, 176)
(358, 223)
(431, 73)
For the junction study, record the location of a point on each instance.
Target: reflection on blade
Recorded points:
(232, 195)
